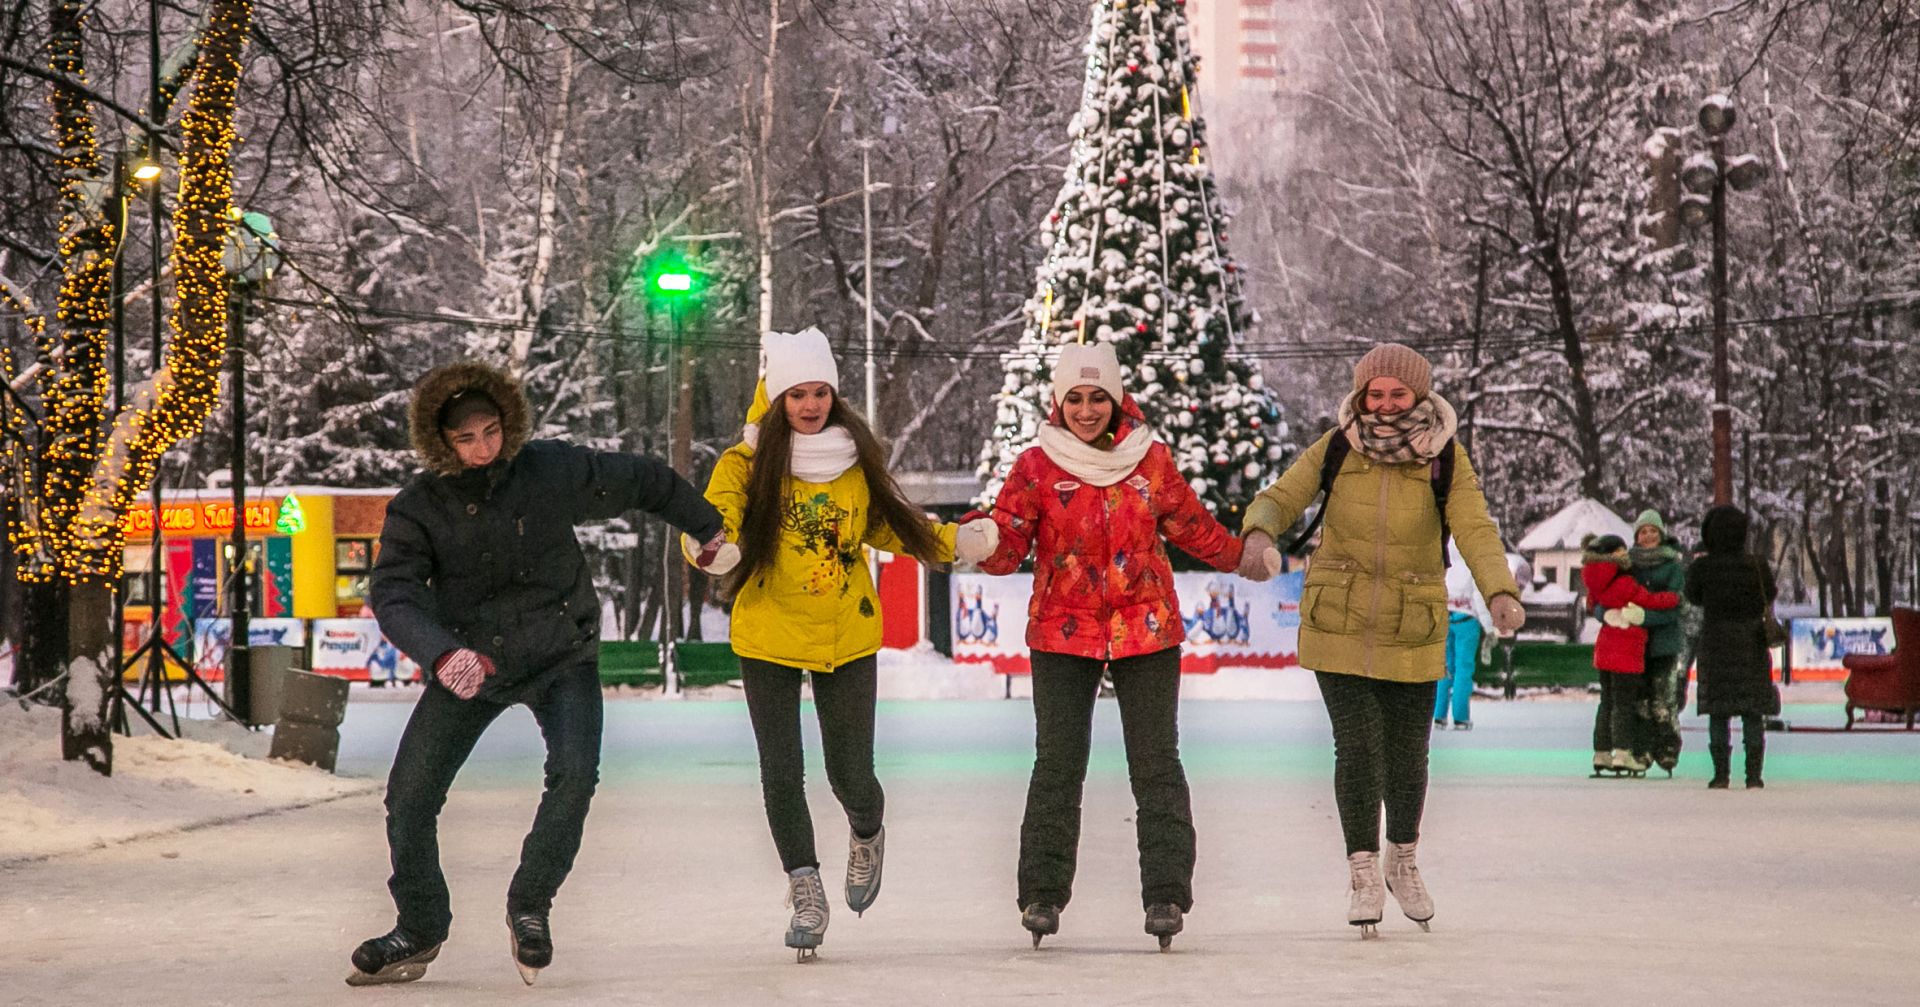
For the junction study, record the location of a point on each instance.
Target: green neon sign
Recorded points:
(292, 519)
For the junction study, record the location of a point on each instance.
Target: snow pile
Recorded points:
(49, 806)
(1565, 529)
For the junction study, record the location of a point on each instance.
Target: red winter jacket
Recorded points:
(1102, 587)
(1609, 585)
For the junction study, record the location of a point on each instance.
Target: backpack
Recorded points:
(1439, 476)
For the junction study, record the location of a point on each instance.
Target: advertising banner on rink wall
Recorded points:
(356, 649)
(1231, 623)
(1818, 645)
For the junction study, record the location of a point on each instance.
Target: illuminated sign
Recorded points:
(211, 517)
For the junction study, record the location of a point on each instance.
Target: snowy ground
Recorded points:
(1552, 888)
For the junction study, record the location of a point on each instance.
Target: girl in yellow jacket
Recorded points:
(803, 495)
(1373, 609)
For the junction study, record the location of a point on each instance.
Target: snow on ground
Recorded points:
(49, 806)
(1552, 888)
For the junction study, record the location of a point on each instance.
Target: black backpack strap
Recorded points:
(1337, 448)
(1440, 472)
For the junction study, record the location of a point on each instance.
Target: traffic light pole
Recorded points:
(671, 581)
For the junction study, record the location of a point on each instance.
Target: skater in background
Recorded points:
(803, 494)
(1657, 567)
(1468, 622)
(1620, 728)
(481, 579)
(1733, 589)
(1093, 501)
(1373, 622)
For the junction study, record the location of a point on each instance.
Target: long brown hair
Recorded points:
(767, 489)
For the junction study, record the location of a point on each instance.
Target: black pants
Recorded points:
(843, 699)
(439, 737)
(1380, 736)
(1148, 690)
(1663, 716)
(1753, 737)
(1621, 721)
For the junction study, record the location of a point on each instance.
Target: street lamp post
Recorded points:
(1707, 176)
(251, 255)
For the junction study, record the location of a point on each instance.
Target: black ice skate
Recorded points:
(531, 942)
(1041, 920)
(1163, 921)
(394, 957)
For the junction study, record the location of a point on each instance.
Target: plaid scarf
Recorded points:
(1416, 435)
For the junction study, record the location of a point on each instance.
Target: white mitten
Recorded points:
(1634, 614)
(1615, 618)
(976, 540)
(717, 557)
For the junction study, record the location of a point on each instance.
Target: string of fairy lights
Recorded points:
(74, 392)
(90, 476)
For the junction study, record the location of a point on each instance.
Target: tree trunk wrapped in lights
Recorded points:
(74, 389)
(173, 402)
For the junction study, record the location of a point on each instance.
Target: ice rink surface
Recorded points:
(1552, 888)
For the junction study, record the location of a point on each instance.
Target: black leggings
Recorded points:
(1147, 688)
(843, 699)
(1380, 735)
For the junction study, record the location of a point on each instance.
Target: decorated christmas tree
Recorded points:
(1137, 256)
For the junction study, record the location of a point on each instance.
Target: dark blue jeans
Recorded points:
(438, 739)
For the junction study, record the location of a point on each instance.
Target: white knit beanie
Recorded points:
(1093, 364)
(797, 358)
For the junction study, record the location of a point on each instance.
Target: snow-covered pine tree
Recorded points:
(1138, 257)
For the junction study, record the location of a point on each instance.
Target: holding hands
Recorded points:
(715, 557)
(977, 538)
(1259, 560)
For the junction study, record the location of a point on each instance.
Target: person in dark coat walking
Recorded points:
(480, 578)
(1733, 589)
(1657, 567)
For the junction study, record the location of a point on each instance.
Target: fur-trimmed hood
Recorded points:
(431, 394)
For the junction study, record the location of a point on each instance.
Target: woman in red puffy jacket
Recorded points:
(1093, 501)
(1620, 652)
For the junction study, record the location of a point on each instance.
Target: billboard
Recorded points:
(1230, 622)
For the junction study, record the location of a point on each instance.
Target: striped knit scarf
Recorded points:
(1416, 435)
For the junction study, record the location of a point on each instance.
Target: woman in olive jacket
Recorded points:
(1373, 611)
(1733, 588)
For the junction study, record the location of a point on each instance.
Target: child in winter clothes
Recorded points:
(1733, 589)
(1620, 654)
(1468, 621)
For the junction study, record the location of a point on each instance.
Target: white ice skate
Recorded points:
(864, 859)
(808, 897)
(1369, 901)
(1625, 763)
(1403, 880)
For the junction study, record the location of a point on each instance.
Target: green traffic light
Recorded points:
(671, 279)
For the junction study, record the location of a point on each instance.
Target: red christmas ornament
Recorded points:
(1140, 327)
(1230, 268)
(1133, 66)
(1054, 217)
(1119, 179)
(1254, 423)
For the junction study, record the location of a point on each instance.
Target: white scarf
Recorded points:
(1091, 465)
(816, 458)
